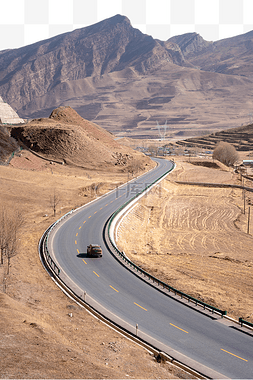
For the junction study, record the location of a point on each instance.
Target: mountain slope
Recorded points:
(127, 82)
(51, 66)
(232, 56)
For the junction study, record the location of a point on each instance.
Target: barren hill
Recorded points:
(241, 138)
(58, 67)
(228, 56)
(66, 136)
(126, 81)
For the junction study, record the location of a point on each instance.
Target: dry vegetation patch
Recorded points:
(194, 238)
(43, 333)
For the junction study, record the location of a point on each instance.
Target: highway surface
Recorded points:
(214, 343)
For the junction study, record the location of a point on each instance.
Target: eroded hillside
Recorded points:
(65, 136)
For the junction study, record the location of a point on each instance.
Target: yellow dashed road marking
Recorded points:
(84, 261)
(179, 328)
(140, 306)
(230, 353)
(75, 242)
(96, 274)
(114, 288)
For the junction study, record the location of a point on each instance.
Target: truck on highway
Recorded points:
(94, 250)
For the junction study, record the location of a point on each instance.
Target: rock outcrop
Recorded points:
(8, 115)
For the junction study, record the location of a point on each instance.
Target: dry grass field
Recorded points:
(39, 338)
(195, 238)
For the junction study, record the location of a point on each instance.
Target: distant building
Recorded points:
(248, 163)
(8, 115)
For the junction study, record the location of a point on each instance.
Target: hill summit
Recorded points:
(66, 136)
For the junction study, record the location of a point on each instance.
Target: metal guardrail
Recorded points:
(148, 275)
(243, 322)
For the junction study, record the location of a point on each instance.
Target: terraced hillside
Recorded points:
(241, 138)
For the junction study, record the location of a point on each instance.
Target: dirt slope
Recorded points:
(67, 137)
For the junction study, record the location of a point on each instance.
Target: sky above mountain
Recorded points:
(27, 21)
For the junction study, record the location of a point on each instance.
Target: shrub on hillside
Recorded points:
(225, 153)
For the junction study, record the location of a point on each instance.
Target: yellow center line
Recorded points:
(84, 222)
(77, 234)
(90, 216)
(84, 261)
(75, 242)
(96, 274)
(101, 208)
(95, 212)
(80, 227)
(114, 288)
(179, 328)
(140, 306)
(233, 355)
(111, 201)
(78, 251)
(106, 205)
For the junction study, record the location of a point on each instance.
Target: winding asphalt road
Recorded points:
(211, 343)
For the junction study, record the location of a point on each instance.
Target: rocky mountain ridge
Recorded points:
(127, 82)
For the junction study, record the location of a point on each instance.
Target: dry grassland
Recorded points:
(194, 238)
(39, 337)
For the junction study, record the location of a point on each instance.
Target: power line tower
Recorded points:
(162, 130)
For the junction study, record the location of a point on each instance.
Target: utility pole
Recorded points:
(248, 220)
(244, 201)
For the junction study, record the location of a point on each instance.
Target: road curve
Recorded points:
(210, 342)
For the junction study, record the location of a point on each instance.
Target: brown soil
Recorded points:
(67, 137)
(241, 138)
(43, 333)
(195, 238)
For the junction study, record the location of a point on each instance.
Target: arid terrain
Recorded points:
(207, 252)
(43, 333)
(241, 138)
(39, 338)
(127, 81)
(195, 238)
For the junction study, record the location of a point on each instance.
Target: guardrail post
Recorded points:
(84, 295)
(137, 329)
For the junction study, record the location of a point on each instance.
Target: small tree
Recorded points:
(54, 201)
(10, 225)
(225, 153)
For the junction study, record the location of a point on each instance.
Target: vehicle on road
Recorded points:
(94, 250)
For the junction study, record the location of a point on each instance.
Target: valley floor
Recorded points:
(195, 238)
